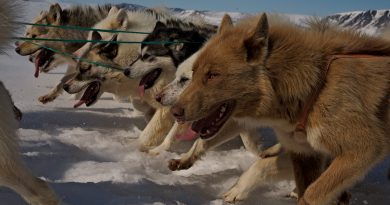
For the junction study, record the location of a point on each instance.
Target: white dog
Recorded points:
(13, 173)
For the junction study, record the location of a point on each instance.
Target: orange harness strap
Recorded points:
(302, 120)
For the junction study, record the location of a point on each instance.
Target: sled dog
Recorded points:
(46, 60)
(325, 94)
(13, 173)
(121, 56)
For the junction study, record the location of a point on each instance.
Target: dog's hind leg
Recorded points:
(262, 172)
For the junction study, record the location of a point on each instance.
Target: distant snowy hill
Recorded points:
(370, 21)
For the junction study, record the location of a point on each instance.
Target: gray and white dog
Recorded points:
(46, 60)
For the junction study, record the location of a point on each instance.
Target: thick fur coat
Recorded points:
(263, 74)
(13, 173)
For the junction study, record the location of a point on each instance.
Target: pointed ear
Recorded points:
(54, 14)
(159, 25)
(121, 18)
(256, 43)
(96, 36)
(225, 24)
(110, 50)
(113, 11)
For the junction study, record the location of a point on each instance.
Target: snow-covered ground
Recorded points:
(90, 156)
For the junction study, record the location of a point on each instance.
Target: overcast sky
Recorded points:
(308, 7)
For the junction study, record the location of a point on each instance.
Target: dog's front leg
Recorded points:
(169, 139)
(262, 172)
(52, 95)
(200, 147)
(250, 140)
(272, 151)
(343, 172)
(156, 130)
(306, 170)
(58, 89)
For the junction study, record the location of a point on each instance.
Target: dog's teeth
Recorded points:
(220, 115)
(208, 131)
(223, 109)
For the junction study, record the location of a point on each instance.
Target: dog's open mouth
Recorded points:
(148, 80)
(90, 95)
(42, 61)
(210, 125)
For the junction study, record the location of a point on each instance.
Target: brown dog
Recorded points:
(265, 75)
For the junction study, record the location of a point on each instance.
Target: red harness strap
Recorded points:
(302, 120)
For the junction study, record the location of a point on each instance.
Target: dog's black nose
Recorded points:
(65, 87)
(17, 50)
(127, 72)
(177, 111)
(159, 97)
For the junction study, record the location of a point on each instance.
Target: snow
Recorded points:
(90, 156)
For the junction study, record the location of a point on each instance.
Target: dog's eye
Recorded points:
(183, 80)
(33, 36)
(145, 56)
(211, 75)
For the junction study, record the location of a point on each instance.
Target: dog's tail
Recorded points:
(8, 16)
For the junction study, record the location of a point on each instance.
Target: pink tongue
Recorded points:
(187, 135)
(36, 74)
(141, 90)
(78, 104)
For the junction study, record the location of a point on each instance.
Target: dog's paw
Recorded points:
(144, 148)
(344, 198)
(292, 195)
(46, 99)
(177, 164)
(235, 194)
(155, 151)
